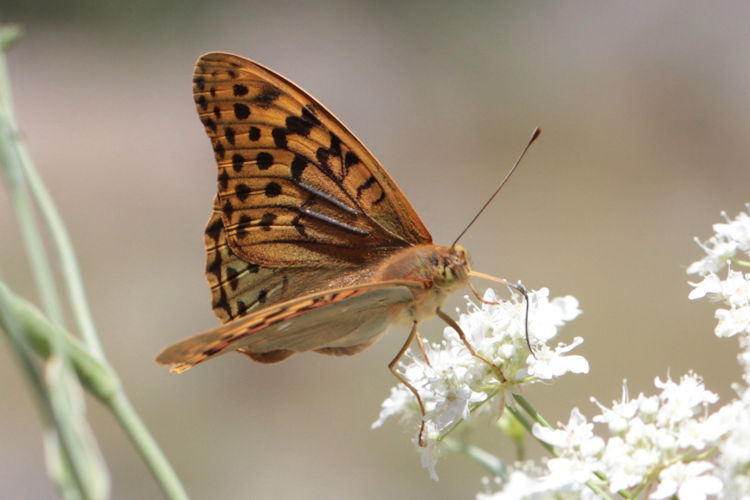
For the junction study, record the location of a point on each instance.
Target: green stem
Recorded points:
(20, 157)
(39, 333)
(528, 426)
(486, 459)
(531, 411)
(46, 338)
(97, 377)
(157, 462)
(11, 325)
(523, 403)
(10, 164)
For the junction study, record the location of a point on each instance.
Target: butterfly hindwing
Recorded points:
(239, 287)
(296, 187)
(341, 321)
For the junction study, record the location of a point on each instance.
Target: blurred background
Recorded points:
(645, 111)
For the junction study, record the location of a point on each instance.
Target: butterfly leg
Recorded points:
(392, 367)
(452, 323)
(420, 344)
(479, 297)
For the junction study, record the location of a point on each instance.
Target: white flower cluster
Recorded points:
(453, 383)
(523, 482)
(730, 245)
(656, 442)
(668, 445)
(650, 436)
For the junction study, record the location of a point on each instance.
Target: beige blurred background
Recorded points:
(645, 108)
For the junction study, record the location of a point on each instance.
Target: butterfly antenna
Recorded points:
(534, 136)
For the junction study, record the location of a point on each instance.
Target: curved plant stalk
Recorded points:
(72, 454)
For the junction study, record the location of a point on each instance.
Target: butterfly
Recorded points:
(311, 246)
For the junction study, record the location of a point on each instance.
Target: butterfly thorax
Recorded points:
(437, 272)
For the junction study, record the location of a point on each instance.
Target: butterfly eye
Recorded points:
(461, 254)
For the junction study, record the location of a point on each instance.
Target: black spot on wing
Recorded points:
(242, 191)
(322, 154)
(219, 150)
(267, 96)
(350, 159)
(267, 221)
(335, 147)
(233, 277)
(298, 166)
(279, 137)
(223, 179)
(264, 160)
(228, 209)
(210, 124)
(272, 189)
(229, 134)
(237, 162)
(239, 90)
(254, 134)
(214, 229)
(298, 125)
(214, 267)
(241, 308)
(241, 111)
(297, 223)
(242, 226)
(202, 102)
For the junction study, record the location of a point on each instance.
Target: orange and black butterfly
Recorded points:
(311, 246)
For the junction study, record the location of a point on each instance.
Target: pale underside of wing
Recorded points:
(296, 187)
(342, 321)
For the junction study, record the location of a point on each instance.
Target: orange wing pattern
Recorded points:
(296, 187)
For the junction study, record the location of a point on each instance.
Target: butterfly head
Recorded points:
(452, 269)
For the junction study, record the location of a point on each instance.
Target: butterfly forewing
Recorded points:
(296, 187)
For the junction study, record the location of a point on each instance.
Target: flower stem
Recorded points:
(523, 403)
(484, 458)
(22, 172)
(62, 353)
(528, 426)
(155, 459)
